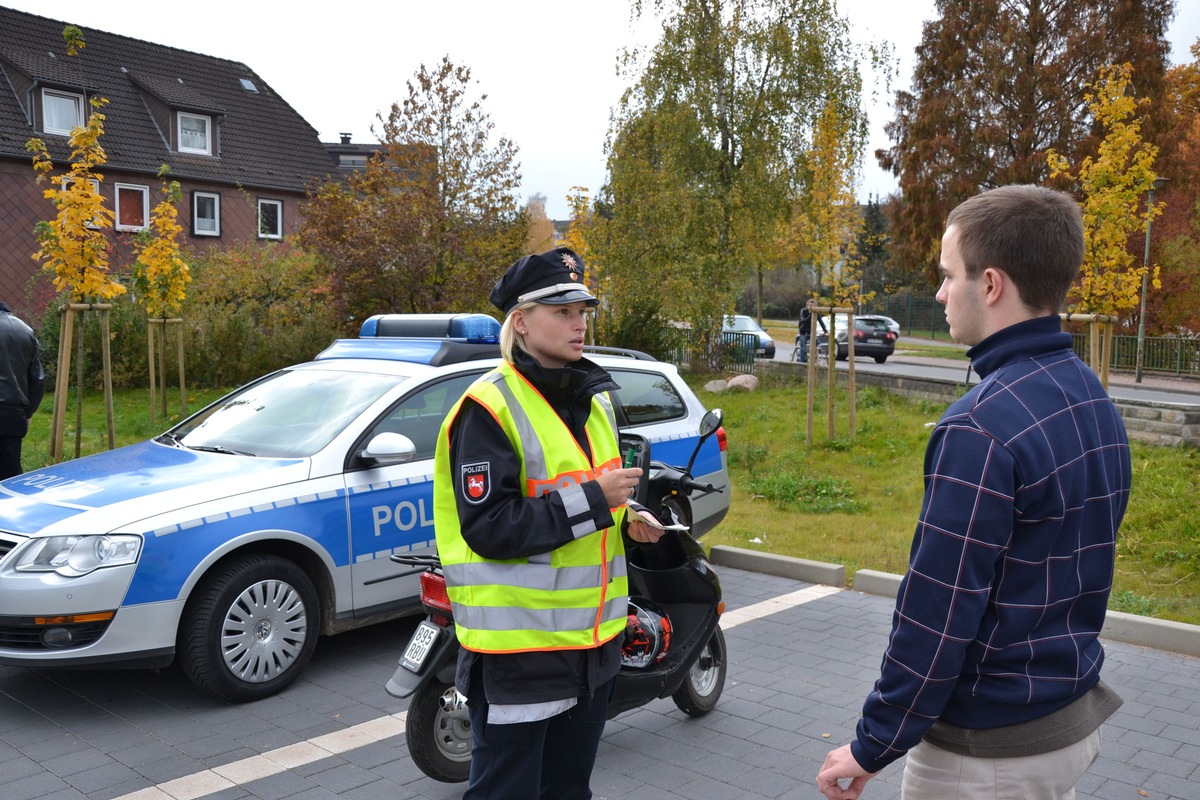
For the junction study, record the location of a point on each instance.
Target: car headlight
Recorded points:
(73, 556)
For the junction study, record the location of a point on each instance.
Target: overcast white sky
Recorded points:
(548, 67)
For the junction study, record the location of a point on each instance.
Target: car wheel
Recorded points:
(880, 359)
(705, 680)
(843, 355)
(249, 628)
(438, 732)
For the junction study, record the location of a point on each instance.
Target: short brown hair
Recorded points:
(1033, 234)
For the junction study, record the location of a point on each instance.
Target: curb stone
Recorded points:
(1167, 635)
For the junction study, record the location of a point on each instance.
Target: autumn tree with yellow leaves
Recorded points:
(826, 223)
(160, 279)
(1112, 184)
(74, 247)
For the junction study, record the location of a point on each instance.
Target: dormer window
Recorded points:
(62, 112)
(195, 134)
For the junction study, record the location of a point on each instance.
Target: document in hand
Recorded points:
(650, 519)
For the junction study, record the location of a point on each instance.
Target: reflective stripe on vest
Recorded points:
(571, 598)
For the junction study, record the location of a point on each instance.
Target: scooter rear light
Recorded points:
(433, 592)
(721, 443)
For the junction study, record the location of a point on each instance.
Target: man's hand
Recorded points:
(839, 765)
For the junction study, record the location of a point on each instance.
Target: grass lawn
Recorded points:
(856, 502)
(848, 502)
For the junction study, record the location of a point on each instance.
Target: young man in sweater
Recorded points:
(991, 677)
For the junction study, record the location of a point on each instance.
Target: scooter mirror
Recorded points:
(711, 421)
(708, 426)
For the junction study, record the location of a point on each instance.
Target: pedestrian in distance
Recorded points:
(805, 330)
(22, 385)
(529, 507)
(990, 681)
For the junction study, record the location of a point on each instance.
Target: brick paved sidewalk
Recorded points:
(797, 677)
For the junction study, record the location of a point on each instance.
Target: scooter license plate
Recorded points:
(422, 641)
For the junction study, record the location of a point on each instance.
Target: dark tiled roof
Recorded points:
(263, 142)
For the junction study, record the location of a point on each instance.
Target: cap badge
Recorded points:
(572, 266)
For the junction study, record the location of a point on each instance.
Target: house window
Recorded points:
(270, 219)
(206, 214)
(195, 134)
(133, 206)
(62, 112)
(95, 184)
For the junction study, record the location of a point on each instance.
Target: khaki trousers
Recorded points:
(935, 774)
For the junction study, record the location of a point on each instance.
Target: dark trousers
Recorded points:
(550, 759)
(10, 457)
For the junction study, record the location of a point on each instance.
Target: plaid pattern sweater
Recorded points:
(1026, 482)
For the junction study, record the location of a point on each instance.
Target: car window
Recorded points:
(289, 414)
(419, 415)
(876, 325)
(740, 323)
(648, 397)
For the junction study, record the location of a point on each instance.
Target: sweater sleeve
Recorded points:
(511, 524)
(965, 526)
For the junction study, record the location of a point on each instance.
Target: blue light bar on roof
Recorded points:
(473, 328)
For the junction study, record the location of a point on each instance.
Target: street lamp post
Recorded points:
(1141, 335)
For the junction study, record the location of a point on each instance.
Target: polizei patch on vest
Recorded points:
(477, 481)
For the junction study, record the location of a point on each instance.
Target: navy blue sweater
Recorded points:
(1026, 482)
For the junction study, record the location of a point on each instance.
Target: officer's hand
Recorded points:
(618, 485)
(641, 532)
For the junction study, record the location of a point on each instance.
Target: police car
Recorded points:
(235, 539)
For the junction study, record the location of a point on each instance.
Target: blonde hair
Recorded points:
(509, 338)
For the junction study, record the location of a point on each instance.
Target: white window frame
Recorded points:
(144, 191)
(207, 150)
(278, 232)
(59, 94)
(66, 184)
(196, 218)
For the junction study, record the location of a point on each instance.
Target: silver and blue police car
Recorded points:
(235, 539)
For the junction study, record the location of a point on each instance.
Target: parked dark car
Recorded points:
(872, 337)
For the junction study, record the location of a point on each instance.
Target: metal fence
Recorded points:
(728, 352)
(924, 316)
(1162, 354)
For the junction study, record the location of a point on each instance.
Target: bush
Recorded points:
(249, 310)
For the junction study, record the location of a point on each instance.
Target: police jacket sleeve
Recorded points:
(508, 524)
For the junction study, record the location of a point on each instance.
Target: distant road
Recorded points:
(1155, 389)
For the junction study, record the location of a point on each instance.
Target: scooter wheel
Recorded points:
(702, 687)
(438, 733)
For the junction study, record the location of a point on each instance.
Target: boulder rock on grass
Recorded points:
(716, 386)
(743, 383)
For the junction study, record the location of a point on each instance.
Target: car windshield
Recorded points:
(289, 414)
(741, 323)
(871, 324)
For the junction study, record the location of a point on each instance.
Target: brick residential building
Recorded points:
(243, 157)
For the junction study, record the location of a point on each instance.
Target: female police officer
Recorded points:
(529, 499)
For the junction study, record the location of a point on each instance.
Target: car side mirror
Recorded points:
(388, 448)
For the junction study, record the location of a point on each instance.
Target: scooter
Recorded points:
(673, 647)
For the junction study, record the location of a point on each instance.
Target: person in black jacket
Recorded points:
(806, 318)
(22, 384)
(537, 713)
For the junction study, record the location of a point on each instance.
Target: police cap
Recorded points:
(554, 277)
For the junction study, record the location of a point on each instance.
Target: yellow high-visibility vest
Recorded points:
(572, 598)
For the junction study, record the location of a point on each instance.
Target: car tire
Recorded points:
(438, 741)
(249, 628)
(843, 355)
(704, 682)
(880, 359)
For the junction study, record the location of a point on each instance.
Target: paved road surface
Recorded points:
(802, 659)
(1121, 385)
